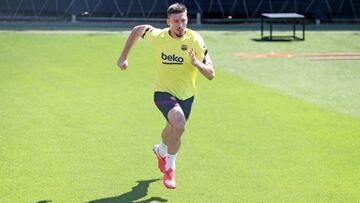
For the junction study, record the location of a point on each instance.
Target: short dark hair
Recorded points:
(176, 8)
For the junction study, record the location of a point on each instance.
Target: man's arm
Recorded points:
(136, 32)
(206, 69)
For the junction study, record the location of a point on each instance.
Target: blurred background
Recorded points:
(200, 11)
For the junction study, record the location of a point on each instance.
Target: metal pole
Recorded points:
(73, 18)
(294, 29)
(303, 24)
(262, 27)
(198, 19)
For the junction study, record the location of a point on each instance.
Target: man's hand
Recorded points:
(122, 63)
(194, 60)
(206, 69)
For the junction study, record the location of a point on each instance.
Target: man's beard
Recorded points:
(180, 34)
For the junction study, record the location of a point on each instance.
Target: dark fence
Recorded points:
(208, 9)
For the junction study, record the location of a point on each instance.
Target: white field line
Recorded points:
(65, 32)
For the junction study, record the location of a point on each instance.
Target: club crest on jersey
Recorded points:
(184, 47)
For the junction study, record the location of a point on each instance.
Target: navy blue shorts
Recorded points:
(165, 102)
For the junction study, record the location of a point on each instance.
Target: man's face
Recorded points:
(177, 23)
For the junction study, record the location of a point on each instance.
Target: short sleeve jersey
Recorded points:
(174, 72)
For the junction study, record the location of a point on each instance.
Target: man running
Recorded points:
(180, 54)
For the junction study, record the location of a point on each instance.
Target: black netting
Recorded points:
(209, 9)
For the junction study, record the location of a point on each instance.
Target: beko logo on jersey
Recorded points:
(171, 59)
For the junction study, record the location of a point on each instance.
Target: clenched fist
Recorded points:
(122, 63)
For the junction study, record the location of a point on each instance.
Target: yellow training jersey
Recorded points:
(174, 72)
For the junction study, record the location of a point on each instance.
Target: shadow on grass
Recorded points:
(137, 192)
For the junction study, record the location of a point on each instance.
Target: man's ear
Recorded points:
(168, 21)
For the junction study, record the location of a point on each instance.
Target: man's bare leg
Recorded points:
(172, 133)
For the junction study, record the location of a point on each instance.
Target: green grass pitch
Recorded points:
(74, 128)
